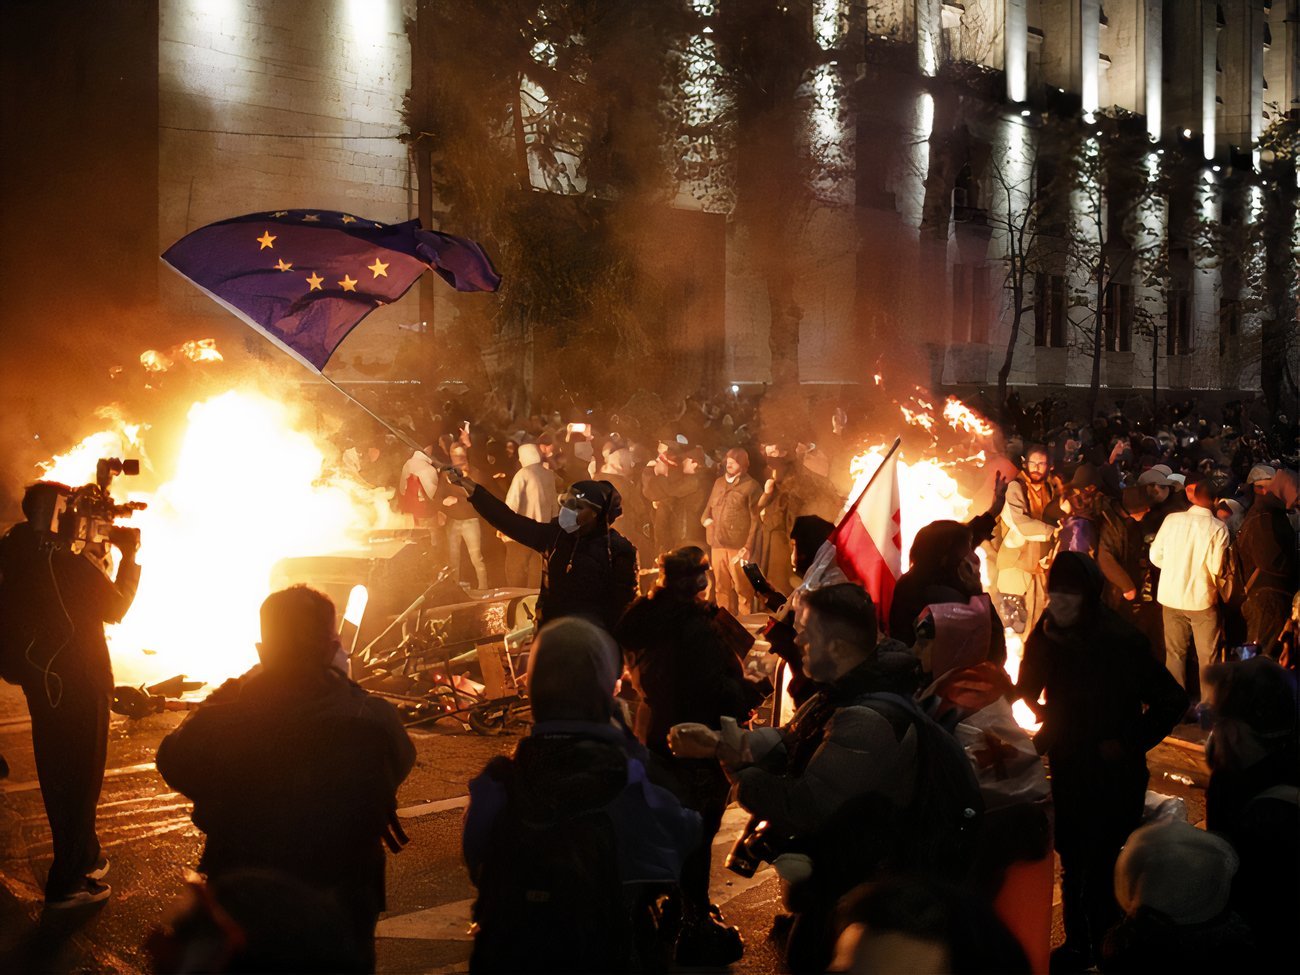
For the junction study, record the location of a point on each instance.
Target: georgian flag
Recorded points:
(866, 547)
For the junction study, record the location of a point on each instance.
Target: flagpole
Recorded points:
(851, 509)
(372, 414)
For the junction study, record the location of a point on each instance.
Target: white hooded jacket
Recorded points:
(533, 492)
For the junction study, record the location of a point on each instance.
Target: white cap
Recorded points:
(1260, 472)
(1154, 476)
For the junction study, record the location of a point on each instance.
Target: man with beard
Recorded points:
(1027, 541)
(1108, 702)
(731, 517)
(684, 657)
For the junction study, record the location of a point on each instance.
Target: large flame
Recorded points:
(245, 490)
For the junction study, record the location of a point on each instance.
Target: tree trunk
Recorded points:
(1018, 297)
(1155, 364)
(1095, 385)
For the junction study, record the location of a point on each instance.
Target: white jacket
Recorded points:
(1189, 550)
(422, 467)
(533, 492)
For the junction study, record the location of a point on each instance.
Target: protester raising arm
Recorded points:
(539, 536)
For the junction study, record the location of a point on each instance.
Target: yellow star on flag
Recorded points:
(347, 219)
(347, 284)
(311, 218)
(266, 240)
(379, 269)
(314, 281)
(280, 213)
(280, 265)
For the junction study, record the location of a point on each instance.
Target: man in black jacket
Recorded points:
(1108, 703)
(1266, 548)
(54, 605)
(294, 768)
(685, 659)
(588, 568)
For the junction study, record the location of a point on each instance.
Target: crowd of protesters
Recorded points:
(1148, 568)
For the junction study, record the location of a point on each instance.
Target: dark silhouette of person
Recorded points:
(294, 768)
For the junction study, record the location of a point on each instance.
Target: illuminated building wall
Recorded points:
(266, 105)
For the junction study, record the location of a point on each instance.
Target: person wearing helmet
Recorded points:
(588, 568)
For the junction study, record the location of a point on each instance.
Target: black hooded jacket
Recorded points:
(1102, 682)
(592, 575)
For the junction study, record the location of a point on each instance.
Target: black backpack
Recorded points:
(939, 832)
(550, 896)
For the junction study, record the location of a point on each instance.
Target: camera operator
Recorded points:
(835, 784)
(53, 605)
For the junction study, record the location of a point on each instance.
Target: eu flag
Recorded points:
(305, 278)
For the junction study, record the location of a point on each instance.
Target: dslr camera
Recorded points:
(757, 845)
(83, 518)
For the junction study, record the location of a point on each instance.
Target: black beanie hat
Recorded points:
(604, 495)
(1075, 572)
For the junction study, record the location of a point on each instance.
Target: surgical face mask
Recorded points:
(1065, 609)
(569, 520)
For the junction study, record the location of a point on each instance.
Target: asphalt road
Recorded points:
(147, 833)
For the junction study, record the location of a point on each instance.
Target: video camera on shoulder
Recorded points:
(83, 518)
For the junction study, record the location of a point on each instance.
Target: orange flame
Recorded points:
(244, 491)
(155, 361)
(962, 417)
(202, 350)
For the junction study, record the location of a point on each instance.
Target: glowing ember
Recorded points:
(155, 361)
(244, 491)
(917, 419)
(202, 350)
(962, 417)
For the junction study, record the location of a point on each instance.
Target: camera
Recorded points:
(755, 846)
(83, 518)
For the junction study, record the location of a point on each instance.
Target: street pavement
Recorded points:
(146, 832)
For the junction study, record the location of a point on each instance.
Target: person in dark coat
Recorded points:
(575, 795)
(1108, 703)
(684, 656)
(54, 604)
(1252, 797)
(588, 568)
(292, 767)
(944, 569)
(1270, 570)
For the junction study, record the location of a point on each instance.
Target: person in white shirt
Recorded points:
(1190, 550)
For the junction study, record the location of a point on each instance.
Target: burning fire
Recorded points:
(244, 491)
(201, 350)
(155, 361)
(962, 417)
(196, 350)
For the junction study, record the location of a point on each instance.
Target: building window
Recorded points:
(1050, 304)
(1178, 324)
(1117, 317)
(1229, 324)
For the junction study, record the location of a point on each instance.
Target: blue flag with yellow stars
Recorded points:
(305, 278)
